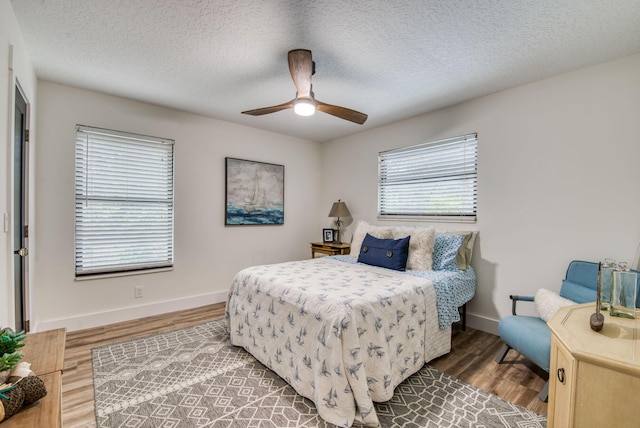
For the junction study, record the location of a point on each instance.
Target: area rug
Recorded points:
(194, 377)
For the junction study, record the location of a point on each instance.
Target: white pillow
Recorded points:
(548, 302)
(361, 231)
(420, 246)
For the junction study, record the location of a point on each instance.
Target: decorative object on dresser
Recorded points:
(254, 193)
(45, 351)
(530, 335)
(596, 321)
(10, 342)
(624, 292)
(620, 291)
(339, 209)
(594, 377)
(23, 389)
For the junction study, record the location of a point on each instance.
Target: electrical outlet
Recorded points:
(137, 291)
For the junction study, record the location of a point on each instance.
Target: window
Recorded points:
(432, 181)
(124, 202)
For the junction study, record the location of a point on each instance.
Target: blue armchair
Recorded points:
(530, 336)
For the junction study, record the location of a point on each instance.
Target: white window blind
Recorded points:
(436, 181)
(124, 202)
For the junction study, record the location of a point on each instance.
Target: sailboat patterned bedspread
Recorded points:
(343, 335)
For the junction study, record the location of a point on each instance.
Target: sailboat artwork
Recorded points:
(254, 192)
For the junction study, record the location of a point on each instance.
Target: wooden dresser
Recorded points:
(45, 352)
(594, 377)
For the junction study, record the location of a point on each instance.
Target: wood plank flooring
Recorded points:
(471, 360)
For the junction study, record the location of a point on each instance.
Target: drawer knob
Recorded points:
(561, 376)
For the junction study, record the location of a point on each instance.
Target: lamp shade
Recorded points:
(339, 209)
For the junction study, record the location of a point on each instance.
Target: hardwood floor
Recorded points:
(471, 360)
(77, 377)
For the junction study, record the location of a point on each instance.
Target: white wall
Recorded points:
(207, 254)
(558, 176)
(17, 69)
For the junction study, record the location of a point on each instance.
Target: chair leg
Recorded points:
(503, 353)
(544, 393)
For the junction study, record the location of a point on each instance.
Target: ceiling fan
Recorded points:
(302, 68)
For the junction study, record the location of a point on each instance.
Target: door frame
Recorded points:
(24, 198)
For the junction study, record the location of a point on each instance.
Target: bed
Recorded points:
(344, 334)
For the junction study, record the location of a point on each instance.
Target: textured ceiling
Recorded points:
(389, 59)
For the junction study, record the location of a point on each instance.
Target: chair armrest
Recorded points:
(515, 298)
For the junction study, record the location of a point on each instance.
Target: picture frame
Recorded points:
(254, 193)
(327, 235)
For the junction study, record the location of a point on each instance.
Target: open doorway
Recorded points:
(20, 210)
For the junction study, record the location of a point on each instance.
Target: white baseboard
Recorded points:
(98, 319)
(481, 323)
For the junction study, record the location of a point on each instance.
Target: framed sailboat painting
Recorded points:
(254, 192)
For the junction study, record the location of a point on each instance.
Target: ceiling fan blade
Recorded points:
(267, 110)
(342, 112)
(301, 68)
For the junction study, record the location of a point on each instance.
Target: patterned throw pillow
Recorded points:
(465, 251)
(445, 250)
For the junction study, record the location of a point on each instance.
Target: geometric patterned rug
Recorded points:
(193, 377)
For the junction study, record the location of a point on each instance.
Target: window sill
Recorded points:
(119, 274)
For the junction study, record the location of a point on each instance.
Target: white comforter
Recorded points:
(342, 335)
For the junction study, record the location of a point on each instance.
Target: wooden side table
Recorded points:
(594, 378)
(329, 248)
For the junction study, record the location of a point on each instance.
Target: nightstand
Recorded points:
(329, 248)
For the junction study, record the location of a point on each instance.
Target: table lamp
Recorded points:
(339, 209)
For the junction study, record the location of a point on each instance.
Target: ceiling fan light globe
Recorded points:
(304, 107)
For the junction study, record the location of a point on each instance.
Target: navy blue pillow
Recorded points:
(386, 253)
